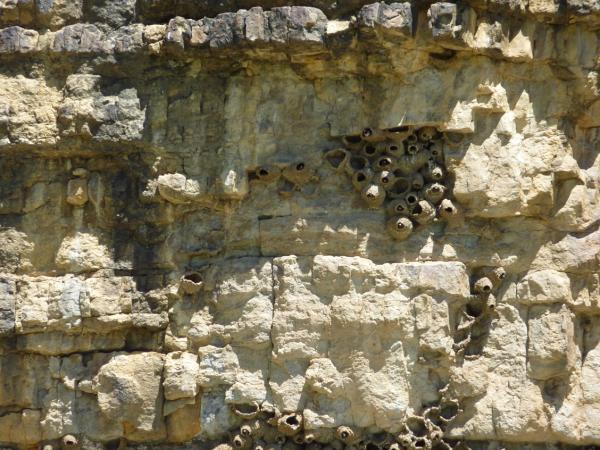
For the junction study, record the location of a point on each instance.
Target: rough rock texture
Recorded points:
(324, 224)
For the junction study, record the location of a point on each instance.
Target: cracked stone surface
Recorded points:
(182, 265)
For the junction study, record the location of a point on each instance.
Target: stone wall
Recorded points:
(332, 225)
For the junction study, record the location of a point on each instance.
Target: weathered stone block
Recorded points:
(7, 306)
(176, 188)
(256, 26)
(552, 350)
(58, 13)
(83, 252)
(128, 39)
(442, 20)
(215, 415)
(544, 286)
(18, 40)
(77, 193)
(130, 395)
(583, 7)
(181, 372)
(115, 13)
(21, 427)
(394, 19)
(222, 30)
(278, 24)
(179, 31)
(81, 38)
(184, 424)
(201, 32)
(200, 142)
(306, 24)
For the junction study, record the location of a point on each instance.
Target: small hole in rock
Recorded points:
(417, 209)
(300, 166)
(369, 150)
(246, 409)
(357, 163)
(448, 209)
(367, 132)
(263, 172)
(444, 55)
(411, 199)
(194, 277)
(473, 310)
(417, 427)
(449, 412)
(112, 445)
(360, 177)
(353, 139)
(292, 420)
(336, 158)
(398, 129)
(385, 180)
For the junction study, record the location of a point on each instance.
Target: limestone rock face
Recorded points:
(130, 395)
(354, 224)
(181, 374)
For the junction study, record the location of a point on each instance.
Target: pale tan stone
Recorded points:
(184, 424)
(131, 155)
(181, 373)
(83, 252)
(130, 394)
(77, 192)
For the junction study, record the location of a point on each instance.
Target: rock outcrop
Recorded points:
(331, 225)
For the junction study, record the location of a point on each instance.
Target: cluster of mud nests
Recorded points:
(264, 428)
(402, 170)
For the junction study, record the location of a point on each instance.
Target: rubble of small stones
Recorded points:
(326, 225)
